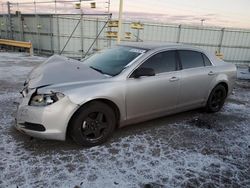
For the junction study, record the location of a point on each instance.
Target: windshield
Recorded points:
(112, 61)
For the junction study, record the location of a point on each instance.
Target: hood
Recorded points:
(58, 69)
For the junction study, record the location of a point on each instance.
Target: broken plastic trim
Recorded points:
(26, 89)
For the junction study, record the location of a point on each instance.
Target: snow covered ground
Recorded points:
(191, 149)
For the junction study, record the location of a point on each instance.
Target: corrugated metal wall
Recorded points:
(49, 34)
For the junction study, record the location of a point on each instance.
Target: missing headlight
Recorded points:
(45, 99)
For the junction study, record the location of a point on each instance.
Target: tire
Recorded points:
(216, 99)
(93, 124)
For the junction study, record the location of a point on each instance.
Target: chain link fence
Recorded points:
(50, 32)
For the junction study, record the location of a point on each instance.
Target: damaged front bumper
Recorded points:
(47, 122)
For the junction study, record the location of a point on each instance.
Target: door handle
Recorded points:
(173, 79)
(211, 73)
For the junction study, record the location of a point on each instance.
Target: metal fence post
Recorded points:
(58, 34)
(20, 26)
(6, 27)
(9, 31)
(1, 28)
(109, 39)
(97, 26)
(23, 28)
(179, 34)
(138, 35)
(38, 32)
(51, 34)
(8, 20)
(82, 39)
(221, 40)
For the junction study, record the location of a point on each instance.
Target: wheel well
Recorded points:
(106, 101)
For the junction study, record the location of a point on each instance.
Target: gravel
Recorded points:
(191, 149)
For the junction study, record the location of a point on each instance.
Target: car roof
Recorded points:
(169, 45)
(156, 45)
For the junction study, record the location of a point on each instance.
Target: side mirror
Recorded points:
(142, 71)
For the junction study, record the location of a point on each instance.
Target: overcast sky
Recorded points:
(228, 13)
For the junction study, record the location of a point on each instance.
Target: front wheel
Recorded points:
(93, 124)
(216, 99)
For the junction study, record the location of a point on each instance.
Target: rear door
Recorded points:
(196, 77)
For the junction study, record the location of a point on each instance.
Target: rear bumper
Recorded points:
(49, 122)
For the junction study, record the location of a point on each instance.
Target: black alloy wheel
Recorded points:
(93, 124)
(216, 99)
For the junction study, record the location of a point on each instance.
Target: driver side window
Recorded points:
(161, 62)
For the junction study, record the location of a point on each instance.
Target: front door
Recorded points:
(154, 95)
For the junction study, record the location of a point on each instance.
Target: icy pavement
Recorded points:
(243, 73)
(191, 149)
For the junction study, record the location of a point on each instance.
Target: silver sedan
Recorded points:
(126, 84)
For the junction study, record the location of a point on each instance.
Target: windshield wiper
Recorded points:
(98, 70)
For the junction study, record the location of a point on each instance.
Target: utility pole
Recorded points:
(120, 22)
(202, 22)
(34, 5)
(55, 7)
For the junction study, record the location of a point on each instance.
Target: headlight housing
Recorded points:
(45, 99)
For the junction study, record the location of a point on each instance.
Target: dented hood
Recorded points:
(58, 69)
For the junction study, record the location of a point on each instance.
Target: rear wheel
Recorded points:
(216, 99)
(93, 124)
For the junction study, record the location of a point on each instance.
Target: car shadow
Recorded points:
(40, 145)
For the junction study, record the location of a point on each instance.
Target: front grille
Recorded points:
(33, 126)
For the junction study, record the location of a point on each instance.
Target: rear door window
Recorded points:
(190, 59)
(207, 62)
